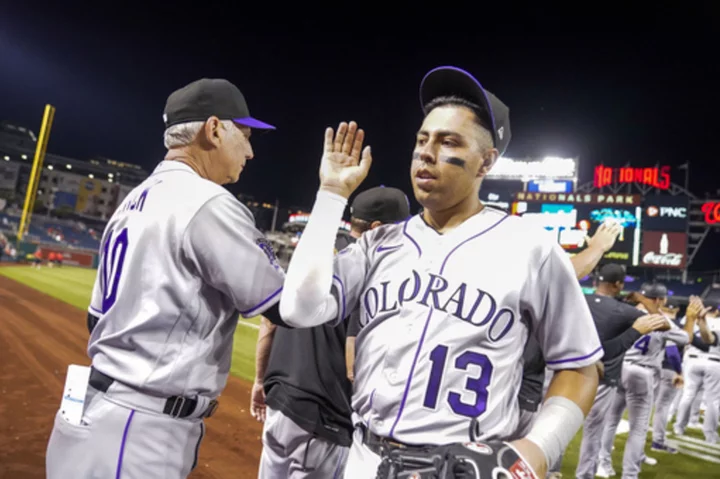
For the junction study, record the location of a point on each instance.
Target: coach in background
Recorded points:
(619, 325)
(179, 258)
(301, 373)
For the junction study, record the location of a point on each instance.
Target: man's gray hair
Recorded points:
(184, 134)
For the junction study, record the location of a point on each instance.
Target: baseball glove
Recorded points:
(470, 460)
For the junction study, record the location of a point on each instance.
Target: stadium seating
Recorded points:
(69, 234)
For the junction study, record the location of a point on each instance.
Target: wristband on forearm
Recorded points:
(555, 426)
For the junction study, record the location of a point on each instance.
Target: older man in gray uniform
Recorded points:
(179, 259)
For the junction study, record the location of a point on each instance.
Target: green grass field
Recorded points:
(74, 286)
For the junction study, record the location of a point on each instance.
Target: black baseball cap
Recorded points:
(654, 290)
(387, 205)
(206, 97)
(612, 273)
(453, 81)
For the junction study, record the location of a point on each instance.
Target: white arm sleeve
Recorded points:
(307, 300)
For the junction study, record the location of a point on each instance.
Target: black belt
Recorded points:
(695, 356)
(175, 406)
(380, 445)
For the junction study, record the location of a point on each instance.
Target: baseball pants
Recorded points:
(694, 376)
(592, 432)
(637, 382)
(712, 401)
(289, 451)
(118, 440)
(664, 399)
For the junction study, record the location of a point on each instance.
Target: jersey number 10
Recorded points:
(478, 385)
(112, 259)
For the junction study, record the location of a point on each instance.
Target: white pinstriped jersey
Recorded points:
(445, 321)
(179, 258)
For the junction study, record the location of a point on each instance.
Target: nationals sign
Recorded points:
(664, 250)
(711, 212)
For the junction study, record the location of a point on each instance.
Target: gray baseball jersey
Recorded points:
(649, 349)
(180, 257)
(445, 321)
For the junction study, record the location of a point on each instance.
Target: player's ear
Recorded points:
(489, 157)
(375, 224)
(211, 132)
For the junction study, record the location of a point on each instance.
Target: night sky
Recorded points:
(612, 87)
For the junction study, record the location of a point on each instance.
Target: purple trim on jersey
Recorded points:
(405, 232)
(95, 310)
(122, 445)
(262, 303)
(412, 371)
(571, 360)
(342, 297)
(470, 239)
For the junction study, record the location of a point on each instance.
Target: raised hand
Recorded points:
(345, 163)
(605, 236)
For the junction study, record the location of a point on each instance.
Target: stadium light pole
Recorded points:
(34, 179)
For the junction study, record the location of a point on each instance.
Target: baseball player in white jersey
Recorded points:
(705, 368)
(642, 363)
(448, 299)
(179, 258)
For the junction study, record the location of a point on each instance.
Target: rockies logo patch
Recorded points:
(267, 248)
(478, 447)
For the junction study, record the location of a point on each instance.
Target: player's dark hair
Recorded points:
(359, 225)
(453, 100)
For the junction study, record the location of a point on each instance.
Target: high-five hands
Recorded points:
(345, 163)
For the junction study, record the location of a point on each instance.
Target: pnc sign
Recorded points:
(711, 210)
(679, 212)
(657, 177)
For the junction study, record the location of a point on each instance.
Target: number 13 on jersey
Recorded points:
(477, 385)
(112, 259)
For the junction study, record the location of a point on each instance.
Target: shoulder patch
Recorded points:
(267, 248)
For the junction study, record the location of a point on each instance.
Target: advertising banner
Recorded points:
(88, 197)
(666, 213)
(64, 199)
(9, 173)
(550, 186)
(580, 198)
(570, 225)
(711, 212)
(662, 249)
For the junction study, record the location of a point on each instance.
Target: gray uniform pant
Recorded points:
(694, 376)
(665, 397)
(637, 384)
(119, 441)
(712, 401)
(593, 429)
(291, 452)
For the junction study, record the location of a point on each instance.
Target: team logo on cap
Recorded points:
(501, 130)
(653, 211)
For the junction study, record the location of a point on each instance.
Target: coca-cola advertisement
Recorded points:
(664, 249)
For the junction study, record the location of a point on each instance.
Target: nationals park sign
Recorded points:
(580, 198)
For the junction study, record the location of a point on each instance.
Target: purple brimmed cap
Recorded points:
(208, 97)
(453, 81)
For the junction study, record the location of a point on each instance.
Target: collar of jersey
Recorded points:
(173, 165)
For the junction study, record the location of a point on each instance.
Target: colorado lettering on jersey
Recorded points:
(138, 202)
(468, 304)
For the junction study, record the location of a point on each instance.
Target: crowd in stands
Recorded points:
(63, 233)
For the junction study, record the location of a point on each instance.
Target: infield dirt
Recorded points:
(39, 337)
